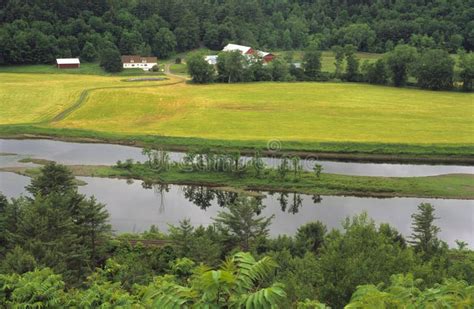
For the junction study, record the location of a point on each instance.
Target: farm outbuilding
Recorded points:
(244, 50)
(138, 62)
(266, 57)
(249, 52)
(68, 63)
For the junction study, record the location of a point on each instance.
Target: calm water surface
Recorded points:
(90, 153)
(134, 208)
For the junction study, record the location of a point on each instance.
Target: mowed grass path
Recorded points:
(338, 112)
(31, 98)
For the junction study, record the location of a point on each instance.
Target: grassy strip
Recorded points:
(452, 186)
(33, 172)
(362, 152)
(35, 161)
(85, 69)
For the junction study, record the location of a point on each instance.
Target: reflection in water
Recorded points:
(296, 201)
(199, 195)
(132, 208)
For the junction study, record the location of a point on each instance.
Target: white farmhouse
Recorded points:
(138, 62)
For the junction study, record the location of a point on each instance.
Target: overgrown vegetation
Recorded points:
(57, 251)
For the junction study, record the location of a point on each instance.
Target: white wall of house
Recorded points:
(139, 65)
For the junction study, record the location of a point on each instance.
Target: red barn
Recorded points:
(68, 63)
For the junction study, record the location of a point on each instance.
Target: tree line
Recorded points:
(38, 32)
(57, 250)
(427, 68)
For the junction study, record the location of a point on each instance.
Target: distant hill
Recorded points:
(38, 31)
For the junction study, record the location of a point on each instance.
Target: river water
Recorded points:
(91, 153)
(134, 207)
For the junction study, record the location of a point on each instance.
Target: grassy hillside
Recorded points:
(29, 98)
(328, 117)
(282, 111)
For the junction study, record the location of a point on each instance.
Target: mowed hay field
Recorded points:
(31, 98)
(338, 112)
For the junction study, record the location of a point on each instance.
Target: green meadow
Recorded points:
(348, 117)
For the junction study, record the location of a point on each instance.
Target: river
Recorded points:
(134, 208)
(107, 154)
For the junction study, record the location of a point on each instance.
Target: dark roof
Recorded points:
(138, 59)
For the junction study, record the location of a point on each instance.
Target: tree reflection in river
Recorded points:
(199, 195)
(296, 201)
(159, 189)
(203, 196)
(225, 198)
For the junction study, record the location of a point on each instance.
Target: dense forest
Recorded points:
(37, 31)
(57, 250)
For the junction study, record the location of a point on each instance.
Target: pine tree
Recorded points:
(424, 236)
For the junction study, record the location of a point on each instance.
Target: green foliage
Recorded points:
(403, 292)
(53, 179)
(312, 64)
(352, 64)
(237, 283)
(89, 53)
(424, 236)
(435, 70)
(339, 58)
(317, 168)
(466, 63)
(230, 66)
(310, 236)
(360, 254)
(34, 32)
(242, 221)
(163, 43)
(399, 61)
(110, 60)
(40, 288)
(58, 228)
(375, 73)
(17, 261)
(200, 71)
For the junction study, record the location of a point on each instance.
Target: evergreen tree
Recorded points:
(53, 178)
(242, 221)
(424, 237)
